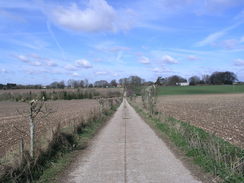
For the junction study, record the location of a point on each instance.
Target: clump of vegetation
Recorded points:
(149, 99)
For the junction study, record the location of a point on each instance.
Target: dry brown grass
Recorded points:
(59, 94)
(222, 115)
(103, 91)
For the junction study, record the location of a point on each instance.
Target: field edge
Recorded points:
(194, 162)
(58, 168)
(62, 150)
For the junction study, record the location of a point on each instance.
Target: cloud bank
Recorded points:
(97, 16)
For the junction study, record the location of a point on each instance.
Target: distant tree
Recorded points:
(132, 84)
(11, 86)
(76, 83)
(101, 84)
(81, 84)
(135, 80)
(223, 78)
(173, 80)
(113, 83)
(123, 82)
(86, 83)
(70, 83)
(229, 77)
(90, 85)
(54, 85)
(194, 80)
(205, 79)
(61, 84)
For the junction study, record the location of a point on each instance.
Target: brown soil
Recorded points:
(222, 115)
(13, 125)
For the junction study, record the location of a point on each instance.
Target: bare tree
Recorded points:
(37, 111)
(113, 83)
(149, 98)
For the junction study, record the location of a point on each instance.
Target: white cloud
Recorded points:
(212, 38)
(157, 70)
(239, 62)
(51, 63)
(192, 57)
(83, 63)
(144, 60)
(117, 48)
(2, 70)
(35, 71)
(101, 73)
(97, 16)
(110, 46)
(78, 63)
(169, 60)
(75, 74)
(23, 58)
(230, 43)
(36, 63)
(36, 60)
(161, 70)
(216, 6)
(155, 27)
(115, 74)
(70, 67)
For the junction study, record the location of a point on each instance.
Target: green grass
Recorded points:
(209, 89)
(59, 164)
(56, 166)
(201, 146)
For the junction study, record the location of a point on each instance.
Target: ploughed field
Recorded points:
(59, 94)
(102, 91)
(13, 125)
(221, 114)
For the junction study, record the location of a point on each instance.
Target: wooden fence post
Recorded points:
(21, 151)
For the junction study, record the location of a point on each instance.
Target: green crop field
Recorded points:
(210, 89)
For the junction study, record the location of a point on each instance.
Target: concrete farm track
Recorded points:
(127, 150)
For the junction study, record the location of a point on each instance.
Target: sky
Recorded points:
(42, 41)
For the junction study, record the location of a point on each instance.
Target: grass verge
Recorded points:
(224, 160)
(67, 142)
(59, 164)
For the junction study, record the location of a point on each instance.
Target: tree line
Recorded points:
(216, 78)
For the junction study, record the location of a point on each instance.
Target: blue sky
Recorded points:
(43, 41)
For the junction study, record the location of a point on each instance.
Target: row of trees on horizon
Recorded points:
(216, 78)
